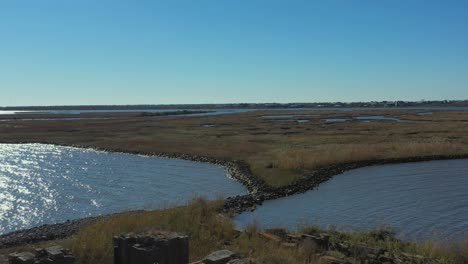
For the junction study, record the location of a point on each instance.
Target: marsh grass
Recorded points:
(300, 159)
(207, 230)
(450, 252)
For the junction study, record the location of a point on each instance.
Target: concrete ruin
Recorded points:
(151, 247)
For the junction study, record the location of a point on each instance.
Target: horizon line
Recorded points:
(243, 103)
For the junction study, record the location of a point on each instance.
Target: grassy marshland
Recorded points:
(277, 150)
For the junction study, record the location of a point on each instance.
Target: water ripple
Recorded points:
(425, 200)
(42, 184)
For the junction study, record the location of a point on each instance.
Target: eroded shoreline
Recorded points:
(258, 190)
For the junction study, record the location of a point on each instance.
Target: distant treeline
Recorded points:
(421, 103)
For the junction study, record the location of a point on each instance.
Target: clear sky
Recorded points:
(57, 52)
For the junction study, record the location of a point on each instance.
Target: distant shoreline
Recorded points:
(260, 106)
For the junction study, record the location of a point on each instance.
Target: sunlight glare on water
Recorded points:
(42, 184)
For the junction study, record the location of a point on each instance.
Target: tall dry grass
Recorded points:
(446, 253)
(199, 220)
(298, 159)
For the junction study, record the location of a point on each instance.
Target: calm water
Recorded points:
(54, 119)
(286, 116)
(77, 112)
(378, 117)
(292, 120)
(236, 110)
(419, 200)
(47, 184)
(371, 118)
(336, 120)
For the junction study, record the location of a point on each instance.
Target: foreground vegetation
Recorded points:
(209, 231)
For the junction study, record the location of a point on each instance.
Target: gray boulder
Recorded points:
(51, 255)
(220, 257)
(21, 258)
(241, 261)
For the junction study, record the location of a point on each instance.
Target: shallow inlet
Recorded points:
(288, 116)
(292, 120)
(377, 117)
(336, 120)
(368, 119)
(424, 200)
(44, 184)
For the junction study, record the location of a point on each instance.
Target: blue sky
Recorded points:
(214, 51)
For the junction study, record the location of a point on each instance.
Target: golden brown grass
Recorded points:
(455, 252)
(207, 230)
(327, 154)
